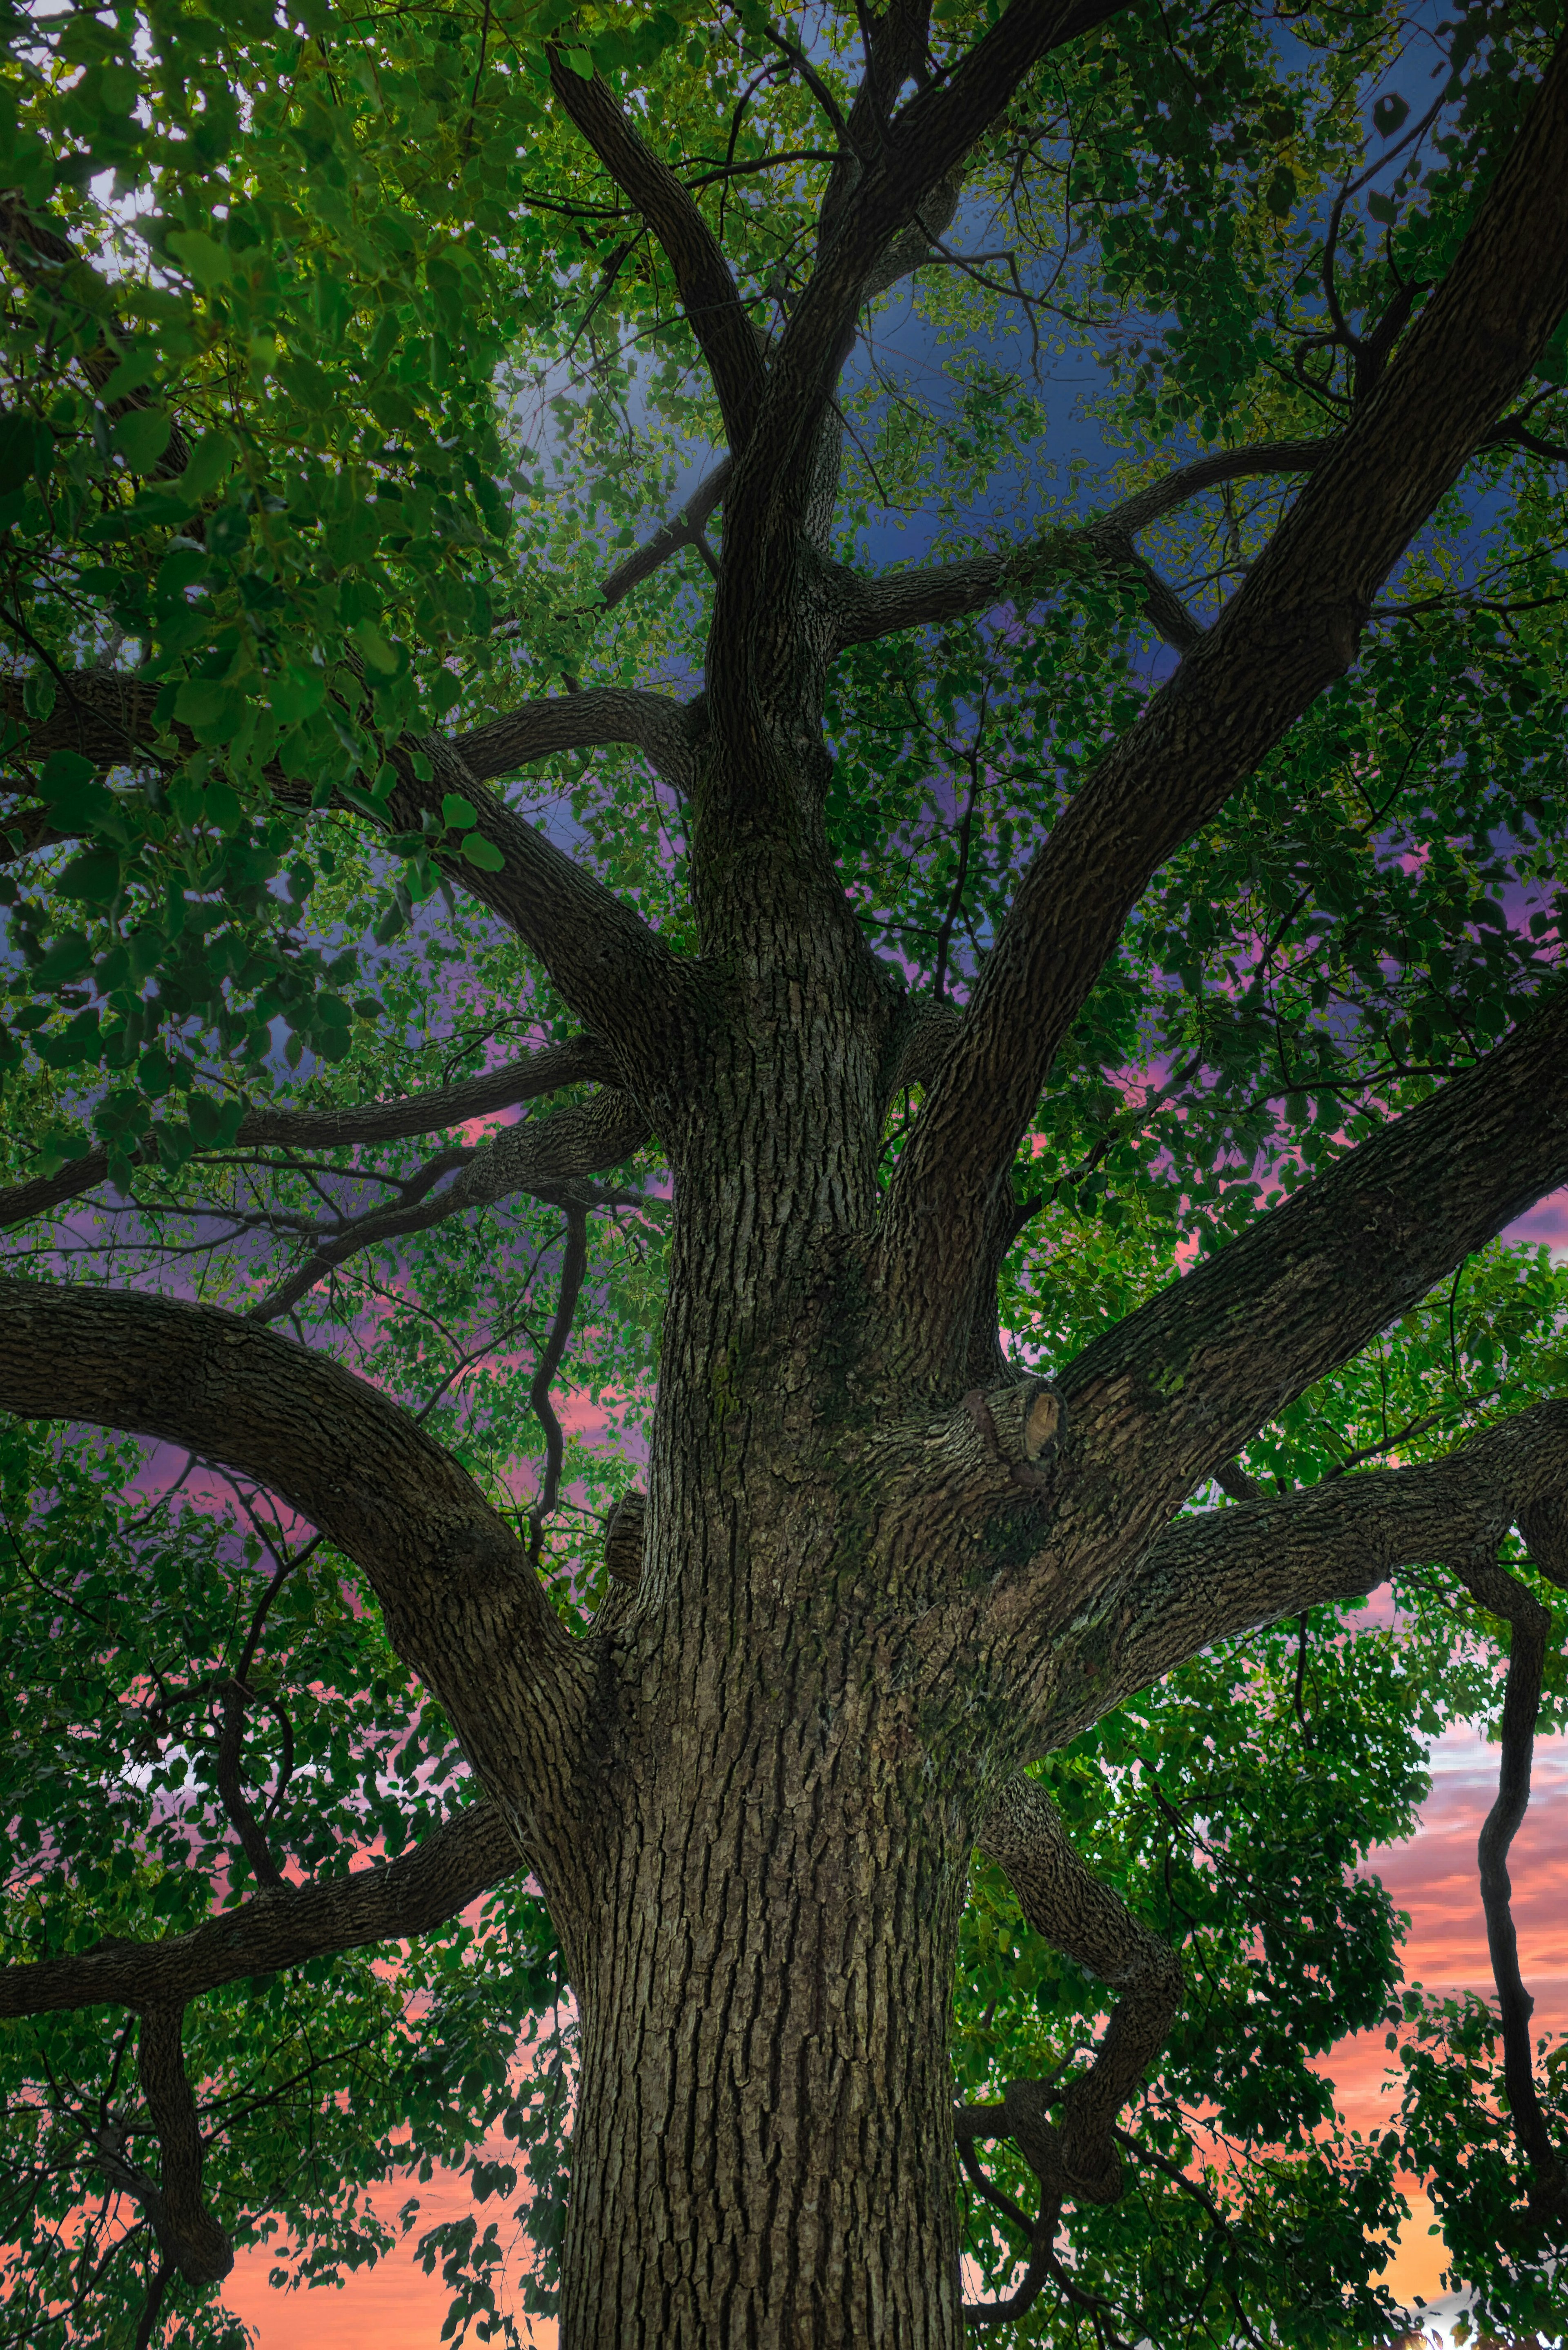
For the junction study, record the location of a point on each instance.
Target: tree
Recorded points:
(1091, 990)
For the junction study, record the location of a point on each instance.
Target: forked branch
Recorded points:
(581, 1060)
(870, 609)
(390, 1902)
(1289, 630)
(1220, 1572)
(1181, 1383)
(461, 1604)
(1065, 1903)
(547, 1158)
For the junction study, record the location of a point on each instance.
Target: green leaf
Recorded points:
(27, 449)
(297, 695)
(378, 654)
(141, 437)
(456, 813)
(94, 876)
(64, 957)
(180, 569)
(227, 530)
(210, 461)
(483, 853)
(213, 713)
(1280, 194)
(202, 256)
(66, 771)
(353, 536)
(135, 371)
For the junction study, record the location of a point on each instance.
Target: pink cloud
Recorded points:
(1546, 1222)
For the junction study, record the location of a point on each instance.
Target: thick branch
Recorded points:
(548, 1157)
(933, 592)
(1065, 1902)
(581, 721)
(462, 1605)
(1161, 1401)
(1220, 1572)
(612, 969)
(579, 1061)
(607, 963)
(725, 335)
(186, 2229)
(390, 1902)
(1291, 628)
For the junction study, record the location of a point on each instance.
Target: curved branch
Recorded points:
(1503, 1596)
(709, 295)
(1291, 628)
(1218, 1573)
(579, 1061)
(870, 609)
(1065, 1903)
(231, 1794)
(463, 1607)
(547, 1158)
(599, 714)
(389, 1902)
(574, 1264)
(186, 2229)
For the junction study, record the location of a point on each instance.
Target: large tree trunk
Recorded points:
(763, 2142)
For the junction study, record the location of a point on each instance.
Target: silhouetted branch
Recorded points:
(393, 1900)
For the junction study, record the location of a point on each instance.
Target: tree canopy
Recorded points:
(809, 774)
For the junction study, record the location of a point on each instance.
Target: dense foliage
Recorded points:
(339, 380)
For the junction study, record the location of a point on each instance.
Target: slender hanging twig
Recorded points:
(574, 1264)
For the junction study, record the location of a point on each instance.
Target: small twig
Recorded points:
(574, 1264)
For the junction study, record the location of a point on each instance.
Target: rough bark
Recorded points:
(1293, 627)
(352, 1127)
(462, 1603)
(392, 1900)
(876, 1572)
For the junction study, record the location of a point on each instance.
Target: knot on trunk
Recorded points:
(1017, 1425)
(623, 1539)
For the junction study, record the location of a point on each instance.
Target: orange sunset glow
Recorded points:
(396, 2307)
